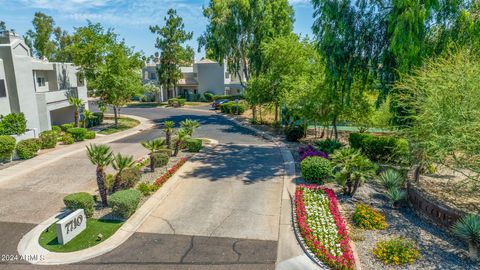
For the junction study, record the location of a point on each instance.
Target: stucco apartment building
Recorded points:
(203, 76)
(37, 88)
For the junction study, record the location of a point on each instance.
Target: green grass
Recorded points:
(124, 123)
(146, 104)
(87, 238)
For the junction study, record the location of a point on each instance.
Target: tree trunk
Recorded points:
(101, 186)
(349, 187)
(152, 162)
(276, 114)
(355, 187)
(334, 127)
(115, 115)
(323, 132)
(168, 139)
(76, 116)
(473, 251)
(177, 149)
(116, 182)
(417, 173)
(254, 113)
(315, 128)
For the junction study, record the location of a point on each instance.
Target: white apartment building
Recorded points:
(203, 76)
(37, 88)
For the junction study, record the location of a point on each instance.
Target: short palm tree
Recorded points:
(100, 155)
(120, 163)
(168, 129)
(87, 115)
(182, 135)
(153, 146)
(189, 125)
(468, 228)
(77, 103)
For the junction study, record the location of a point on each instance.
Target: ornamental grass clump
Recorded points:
(366, 217)
(468, 228)
(397, 251)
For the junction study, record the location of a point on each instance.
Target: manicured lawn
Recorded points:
(124, 123)
(86, 239)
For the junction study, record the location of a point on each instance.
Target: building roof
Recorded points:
(206, 61)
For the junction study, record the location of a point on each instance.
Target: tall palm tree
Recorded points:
(77, 103)
(153, 146)
(182, 135)
(120, 163)
(189, 125)
(100, 155)
(87, 115)
(168, 129)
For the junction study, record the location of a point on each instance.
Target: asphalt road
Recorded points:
(223, 215)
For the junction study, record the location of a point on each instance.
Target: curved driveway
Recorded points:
(224, 214)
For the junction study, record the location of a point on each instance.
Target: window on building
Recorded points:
(40, 81)
(195, 91)
(153, 76)
(3, 90)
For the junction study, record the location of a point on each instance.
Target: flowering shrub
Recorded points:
(162, 179)
(396, 251)
(368, 218)
(310, 151)
(322, 226)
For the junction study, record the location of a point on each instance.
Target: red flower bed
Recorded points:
(162, 179)
(346, 260)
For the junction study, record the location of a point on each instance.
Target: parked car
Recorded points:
(216, 104)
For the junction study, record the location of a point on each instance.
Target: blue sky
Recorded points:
(130, 19)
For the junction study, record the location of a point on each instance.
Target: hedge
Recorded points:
(193, 145)
(328, 146)
(130, 177)
(316, 169)
(233, 107)
(78, 134)
(57, 129)
(384, 149)
(7, 145)
(13, 124)
(80, 200)
(295, 133)
(90, 135)
(161, 159)
(176, 102)
(99, 118)
(167, 151)
(230, 97)
(48, 139)
(28, 148)
(67, 139)
(65, 127)
(125, 202)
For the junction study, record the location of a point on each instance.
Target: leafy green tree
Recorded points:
(3, 26)
(153, 146)
(101, 156)
(62, 40)
(78, 104)
(120, 163)
(170, 40)
(154, 90)
(40, 37)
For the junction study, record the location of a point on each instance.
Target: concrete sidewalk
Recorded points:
(45, 159)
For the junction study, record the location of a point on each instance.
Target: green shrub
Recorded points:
(166, 151)
(295, 133)
(90, 135)
(208, 96)
(390, 179)
(233, 107)
(78, 134)
(57, 129)
(13, 124)
(99, 118)
(396, 195)
(7, 145)
(161, 159)
(28, 148)
(67, 139)
(193, 145)
(328, 146)
(316, 169)
(147, 189)
(80, 200)
(468, 228)
(176, 102)
(230, 97)
(65, 127)
(366, 217)
(397, 251)
(385, 149)
(125, 202)
(130, 177)
(49, 139)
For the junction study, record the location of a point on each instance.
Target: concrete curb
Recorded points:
(40, 161)
(29, 244)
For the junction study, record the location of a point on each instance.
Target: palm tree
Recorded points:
(182, 135)
(120, 163)
(153, 146)
(189, 125)
(77, 103)
(168, 129)
(468, 228)
(87, 115)
(100, 155)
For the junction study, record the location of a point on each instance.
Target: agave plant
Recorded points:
(391, 179)
(101, 156)
(153, 146)
(396, 195)
(468, 228)
(189, 126)
(120, 163)
(168, 129)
